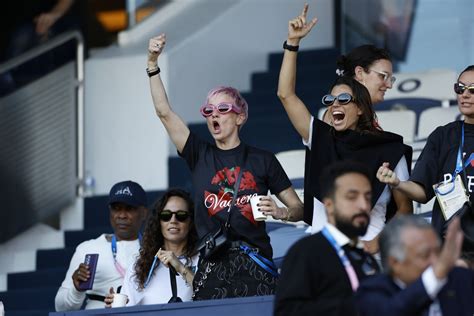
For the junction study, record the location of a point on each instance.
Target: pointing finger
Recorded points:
(305, 10)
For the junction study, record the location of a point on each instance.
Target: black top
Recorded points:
(314, 280)
(214, 172)
(438, 161)
(371, 149)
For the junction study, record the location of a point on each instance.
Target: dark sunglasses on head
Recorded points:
(343, 98)
(207, 109)
(459, 88)
(166, 216)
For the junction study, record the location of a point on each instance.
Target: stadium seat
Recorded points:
(292, 162)
(402, 122)
(430, 119)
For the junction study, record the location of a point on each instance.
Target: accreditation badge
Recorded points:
(451, 196)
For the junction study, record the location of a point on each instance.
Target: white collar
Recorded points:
(400, 283)
(340, 237)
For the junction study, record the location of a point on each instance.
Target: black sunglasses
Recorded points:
(166, 216)
(343, 98)
(459, 88)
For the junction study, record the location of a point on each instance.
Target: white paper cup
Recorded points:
(257, 215)
(120, 300)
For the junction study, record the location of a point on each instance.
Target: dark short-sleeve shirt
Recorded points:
(214, 172)
(437, 162)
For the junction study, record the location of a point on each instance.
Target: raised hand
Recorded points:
(299, 27)
(109, 298)
(451, 249)
(81, 274)
(169, 258)
(385, 175)
(44, 22)
(156, 46)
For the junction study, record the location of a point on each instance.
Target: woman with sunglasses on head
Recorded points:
(170, 238)
(243, 267)
(445, 166)
(354, 133)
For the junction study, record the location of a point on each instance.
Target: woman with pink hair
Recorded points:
(226, 174)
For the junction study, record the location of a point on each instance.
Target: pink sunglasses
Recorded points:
(207, 109)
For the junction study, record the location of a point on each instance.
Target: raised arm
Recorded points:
(299, 115)
(412, 190)
(175, 126)
(45, 20)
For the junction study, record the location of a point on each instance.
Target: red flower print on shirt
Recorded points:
(225, 179)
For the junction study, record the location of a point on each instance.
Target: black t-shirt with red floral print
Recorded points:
(214, 172)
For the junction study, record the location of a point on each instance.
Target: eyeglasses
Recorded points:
(166, 216)
(459, 88)
(343, 98)
(207, 109)
(385, 76)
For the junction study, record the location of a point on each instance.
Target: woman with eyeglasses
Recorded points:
(353, 132)
(446, 165)
(170, 238)
(244, 266)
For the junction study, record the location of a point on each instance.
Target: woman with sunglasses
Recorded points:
(368, 64)
(170, 238)
(446, 163)
(244, 266)
(352, 133)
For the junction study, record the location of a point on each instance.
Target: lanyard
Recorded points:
(118, 266)
(345, 261)
(460, 166)
(154, 265)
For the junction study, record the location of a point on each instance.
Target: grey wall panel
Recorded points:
(37, 151)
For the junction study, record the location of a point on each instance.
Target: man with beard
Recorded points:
(321, 272)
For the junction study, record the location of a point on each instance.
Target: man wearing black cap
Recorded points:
(127, 206)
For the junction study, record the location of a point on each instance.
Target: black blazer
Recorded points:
(314, 281)
(381, 296)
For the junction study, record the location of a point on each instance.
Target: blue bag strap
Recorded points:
(263, 262)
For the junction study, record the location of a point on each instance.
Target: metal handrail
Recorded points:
(43, 48)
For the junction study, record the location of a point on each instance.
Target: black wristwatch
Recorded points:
(290, 47)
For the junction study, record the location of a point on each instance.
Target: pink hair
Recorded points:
(234, 94)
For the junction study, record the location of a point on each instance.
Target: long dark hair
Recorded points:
(368, 120)
(363, 56)
(153, 238)
(468, 68)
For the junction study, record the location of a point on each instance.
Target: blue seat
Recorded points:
(54, 258)
(29, 299)
(37, 279)
(73, 238)
(306, 58)
(307, 77)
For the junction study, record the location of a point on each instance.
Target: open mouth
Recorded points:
(338, 116)
(216, 126)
